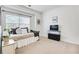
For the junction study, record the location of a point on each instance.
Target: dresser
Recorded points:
(9, 47)
(54, 32)
(54, 35)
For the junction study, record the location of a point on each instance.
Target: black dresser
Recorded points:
(54, 33)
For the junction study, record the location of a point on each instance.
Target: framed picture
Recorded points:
(38, 21)
(55, 19)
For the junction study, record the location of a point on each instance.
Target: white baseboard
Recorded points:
(70, 41)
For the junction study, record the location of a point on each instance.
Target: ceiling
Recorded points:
(42, 8)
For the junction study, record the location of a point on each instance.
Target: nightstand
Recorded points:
(9, 47)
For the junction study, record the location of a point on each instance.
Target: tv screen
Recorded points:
(54, 27)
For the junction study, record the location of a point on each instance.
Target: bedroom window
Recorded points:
(13, 21)
(24, 21)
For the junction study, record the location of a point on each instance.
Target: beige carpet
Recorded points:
(46, 46)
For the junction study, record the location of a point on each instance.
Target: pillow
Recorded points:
(24, 31)
(13, 30)
(19, 31)
(25, 28)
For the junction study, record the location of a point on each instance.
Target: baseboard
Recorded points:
(69, 41)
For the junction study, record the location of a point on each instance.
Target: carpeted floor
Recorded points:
(46, 46)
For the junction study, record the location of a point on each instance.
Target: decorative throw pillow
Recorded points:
(24, 31)
(13, 30)
(25, 28)
(19, 31)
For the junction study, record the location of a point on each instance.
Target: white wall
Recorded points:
(68, 20)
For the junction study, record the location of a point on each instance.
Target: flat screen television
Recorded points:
(54, 27)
